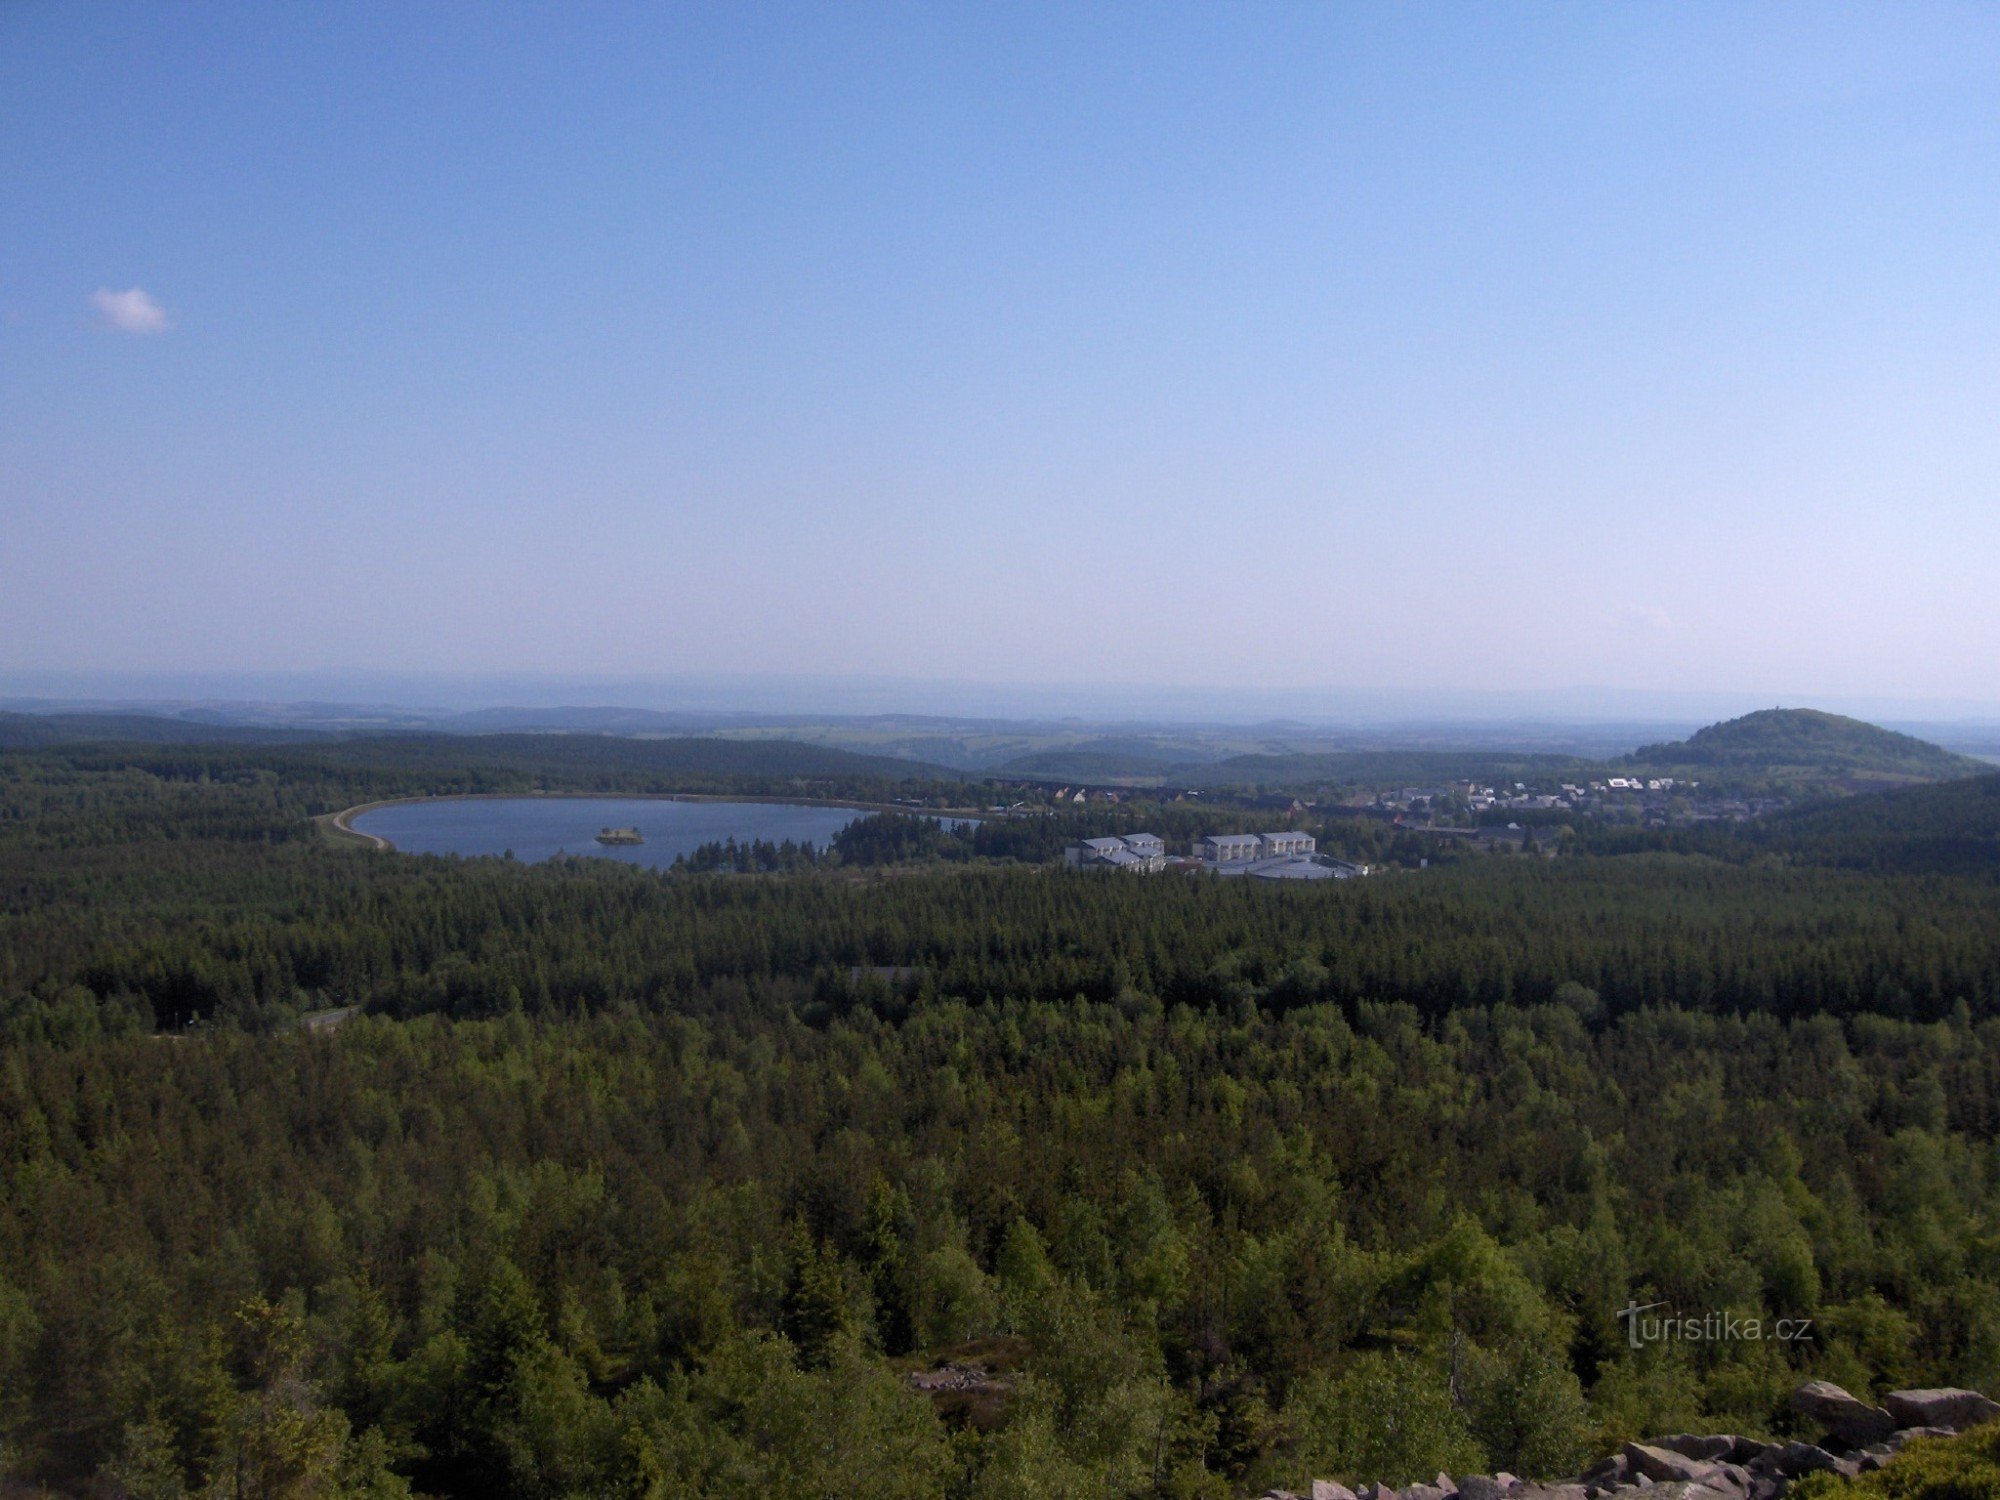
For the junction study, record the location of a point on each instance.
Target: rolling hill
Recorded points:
(1804, 742)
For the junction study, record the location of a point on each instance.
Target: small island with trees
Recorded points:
(619, 836)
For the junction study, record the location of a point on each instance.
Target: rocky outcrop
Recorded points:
(1845, 1418)
(1796, 1460)
(954, 1377)
(1663, 1465)
(1720, 1449)
(1721, 1466)
(1945, 1408)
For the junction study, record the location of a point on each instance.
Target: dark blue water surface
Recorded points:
(538, 828)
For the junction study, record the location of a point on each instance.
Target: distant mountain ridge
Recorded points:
(1778, 740)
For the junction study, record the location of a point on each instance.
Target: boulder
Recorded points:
(1846, 1418)
(1327, 1489)
(1426, 1492)
(1941, 1408)
(1611, 1469)
(1664, 1466)
(1482, 1487)
(1688, 1489)
(1708, 1449)
(1796, 1460)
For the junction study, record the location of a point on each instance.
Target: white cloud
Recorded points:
(129, 312)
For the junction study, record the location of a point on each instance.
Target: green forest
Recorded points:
(922, 1166)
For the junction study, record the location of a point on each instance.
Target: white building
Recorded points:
(1144, 852)
(1277, 844)
(1229, 848)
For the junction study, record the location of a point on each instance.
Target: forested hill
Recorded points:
(484, 762)
(1806, 741)
(1375, 766)
(1952, 827)
(601, 754)
(31, 731)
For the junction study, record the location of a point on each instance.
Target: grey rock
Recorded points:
(1769, 1487)
(1426, 1492)
(1484, 1487)
(1610, 1469)
(1709, 1449)
(1796, 1460)
(1664, 1466)
(1949, 1407)
(1685, 1489)
(1327, 1489)
(1846, 1418)
(1446, 1483)
(1731, 1479)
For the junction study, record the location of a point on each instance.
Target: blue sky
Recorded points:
(1260, 346)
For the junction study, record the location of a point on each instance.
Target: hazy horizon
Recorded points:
(1451, 353)
(773, 698)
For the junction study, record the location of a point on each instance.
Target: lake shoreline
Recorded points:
(340, 824)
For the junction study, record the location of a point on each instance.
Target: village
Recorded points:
(1284, 855)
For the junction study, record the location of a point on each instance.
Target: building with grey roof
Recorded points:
(1144, 852)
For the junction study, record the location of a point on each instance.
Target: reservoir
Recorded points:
(538, 828)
